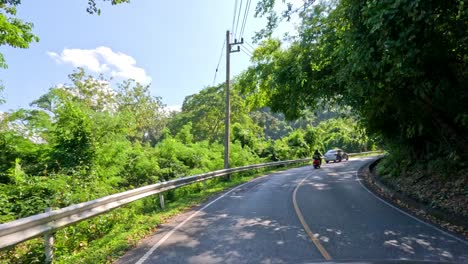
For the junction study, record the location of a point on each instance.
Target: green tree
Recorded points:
(344, 133)
(273, 124)
(24, 135)
(88, 132)
(298, 145)
(206, 111)
(13, 31)
(243, 135)
(311, 137)
(74, 143)
(144, 113)
(185, 134)
(401, 66)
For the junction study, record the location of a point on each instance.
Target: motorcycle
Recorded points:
(317, 163)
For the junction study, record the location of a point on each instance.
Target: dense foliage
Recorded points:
(396, 69)
(400, 65)
(92, 138)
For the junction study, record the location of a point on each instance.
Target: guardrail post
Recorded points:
(204, 185)
(161, 200)
(19, 230)
(49, 244)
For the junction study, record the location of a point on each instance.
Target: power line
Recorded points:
(246, 15)
(252, 47)
(250, 55)
(244, 21)
(234, 16)
(247, 52)
(238, 18)
(219, 61)
(248, 49)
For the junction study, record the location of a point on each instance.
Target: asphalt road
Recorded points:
(300, 215)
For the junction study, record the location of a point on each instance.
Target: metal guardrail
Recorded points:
(365, 153)
(23, 229)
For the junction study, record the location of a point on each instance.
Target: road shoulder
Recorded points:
(442, 220)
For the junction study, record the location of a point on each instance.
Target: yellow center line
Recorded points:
(309, 232)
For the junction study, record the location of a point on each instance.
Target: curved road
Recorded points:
(300, 215)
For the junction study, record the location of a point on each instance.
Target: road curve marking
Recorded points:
(164, 238)
(309, 232)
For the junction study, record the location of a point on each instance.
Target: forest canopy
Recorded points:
(401, 67)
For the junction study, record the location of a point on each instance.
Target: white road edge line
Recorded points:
(407, 214)
(162, 240)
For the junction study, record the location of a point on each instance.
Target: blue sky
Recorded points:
(174, 45)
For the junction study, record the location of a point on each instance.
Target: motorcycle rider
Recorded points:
(317, 156)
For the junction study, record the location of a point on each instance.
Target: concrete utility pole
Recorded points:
(227, 121)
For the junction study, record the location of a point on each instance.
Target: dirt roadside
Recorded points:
(416, 196)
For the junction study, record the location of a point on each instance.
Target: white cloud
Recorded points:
(102, 60)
